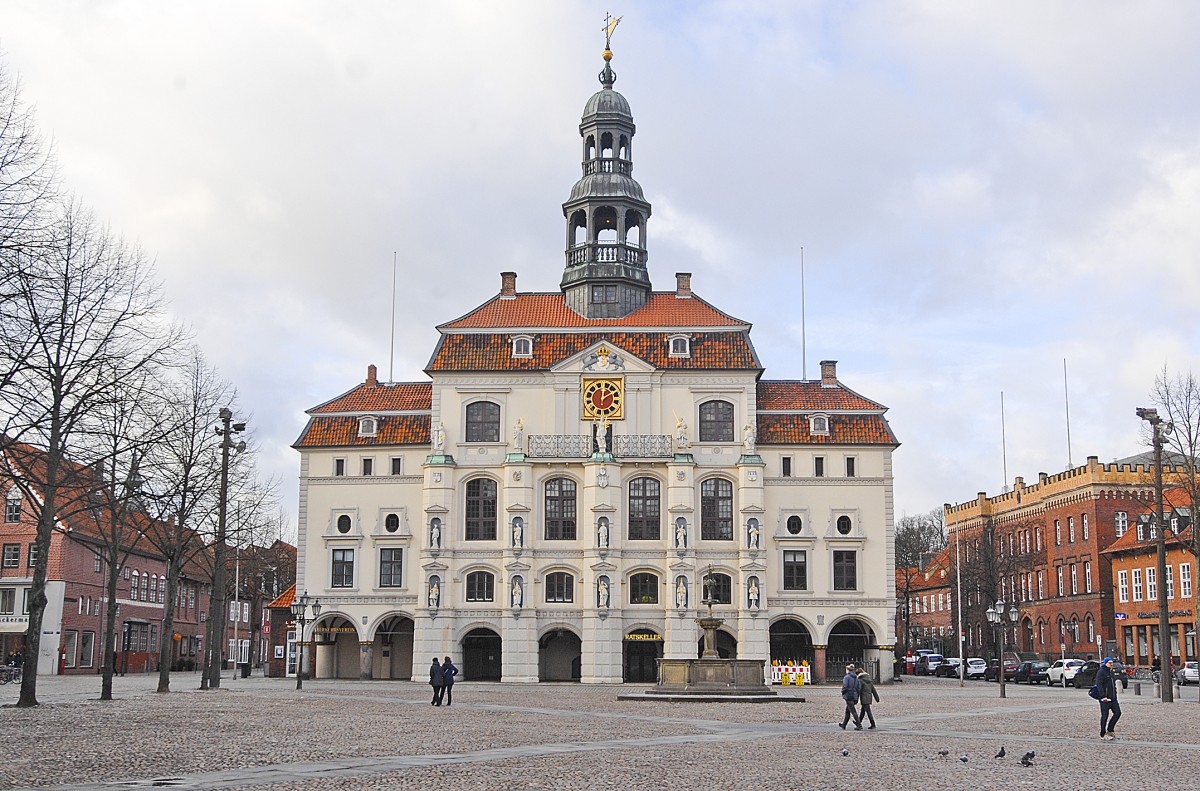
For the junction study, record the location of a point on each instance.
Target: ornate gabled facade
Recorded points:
(547, 505)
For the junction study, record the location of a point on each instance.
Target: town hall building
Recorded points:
(583, 468)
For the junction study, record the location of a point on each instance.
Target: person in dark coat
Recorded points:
(449, 671)
(850, 693)
(866, 693)
(1110, 709)
(436, 680)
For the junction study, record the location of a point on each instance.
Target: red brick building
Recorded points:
(925, 594)
(257, 576)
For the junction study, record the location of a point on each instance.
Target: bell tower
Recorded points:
(606, 213)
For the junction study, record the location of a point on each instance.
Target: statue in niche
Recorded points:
(518, 528)
(681, 593)
(435, 593)
(602, 533)
(601, 427)
(680, 533)
(518, 593)
(439, 438)
(435, 534)
(681, 434)
(519, 435)
(752, 593)
(753, 534)
(749, 439)
(602, 593)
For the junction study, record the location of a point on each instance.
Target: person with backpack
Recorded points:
(851, 689)
(866, 693)
(1106, 693)
(436, 680)
(449, 671)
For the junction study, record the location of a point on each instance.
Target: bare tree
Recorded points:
(917, 539)
(86, 318)
(992, 563)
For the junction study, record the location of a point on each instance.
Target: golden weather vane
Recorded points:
(610, 24)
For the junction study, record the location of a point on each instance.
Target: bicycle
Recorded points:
(1147, 674)
(8, 674)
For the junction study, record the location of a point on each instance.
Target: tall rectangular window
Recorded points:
(787, 466)
(1151, 584)
(481, 510)
(1037, 535)
(1059, 570)
(819, 466)
(1123, 585)
(1137, 584)
(1057, 533)
(339, 467)
(343, 568)
(1185, 580)
(32, 555)
(645, 509)
(8, 601)
(716, 510)
(1170, 579)
(1074, 581)
(560, 509)
(391, 568)
(397, 465)
(87, 647)
(1087, 575)
(1121, 522)
(368, 467)
(1041, 585)
(12, 556)
(849, 466)
(845, 570)
(1084, 526)
(12, 508)
(1070, 530)
(795, 570)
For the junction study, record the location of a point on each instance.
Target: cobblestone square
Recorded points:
(260, 733)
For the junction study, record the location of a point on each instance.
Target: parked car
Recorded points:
(1085, 674)
(1063, 670)
(1188, 674)
(976, 667)
(927, 664)
(1032, 672)
(993, 670)
(949, 667)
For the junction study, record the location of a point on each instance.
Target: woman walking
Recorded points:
(866, 693)
(449, 671)
(1110, 709)
(436, 679)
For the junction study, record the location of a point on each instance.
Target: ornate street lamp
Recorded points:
(1000, 619)
(300, 615)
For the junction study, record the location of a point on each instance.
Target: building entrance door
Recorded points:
(481, 650)
(642, 647)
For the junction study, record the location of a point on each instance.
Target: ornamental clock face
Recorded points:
(604, 398)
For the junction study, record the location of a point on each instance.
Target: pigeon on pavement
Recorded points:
(943, 753)
(1028, 756)
(845, 751)
(963, 758)
(1001, 753)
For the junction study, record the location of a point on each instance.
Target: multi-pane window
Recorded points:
(604, 294)
(1087, 576)
(1151, 584)
(560, 509)
(1083, 526)
(133, 586)
(1121, 522)
(716, 510)
(1037, 537)
(844, 526)
(795, 570)
(481, 586)
(343, 523)
(1170, 579)
(1057, 533)
(1074, 581)
(645, 509)
(1041, 585)
(1123, 585)
(719, 587)
(1185, 580)
(32, 555)
(8, 601)
(343, 568)
(845, 570)
(1060, 579)
(98, 564)
(1137, 584)
(481, 510)
(1070, 530)
(12, 507)
(643, 589)
(153, 589)
(560, 587)
(483, 422)
(391, 568)
(12, 556)
(716, 421)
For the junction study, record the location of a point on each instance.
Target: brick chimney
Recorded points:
(829, 373)
(683, 285)
(372, 378)
(508, 285)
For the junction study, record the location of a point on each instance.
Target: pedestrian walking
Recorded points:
(865, 694)
(449, 671)
(850, 693)
(436, 680)
(1110, 709)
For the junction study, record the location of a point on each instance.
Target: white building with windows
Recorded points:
(547, 504)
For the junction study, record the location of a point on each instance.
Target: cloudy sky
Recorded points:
(982, 190)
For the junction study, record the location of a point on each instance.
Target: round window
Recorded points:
(794, 525)
(843, 525)
(391, 523)
(343, 524)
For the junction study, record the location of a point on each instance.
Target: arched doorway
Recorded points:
(1027, 635)
(724, 642)
(848, 643)
(393, 654)
(560, 656)
(482, 659)
(336, 642)
(791, 642)
(642, 648)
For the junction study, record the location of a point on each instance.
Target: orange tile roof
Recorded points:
(551, 311)
(341, 431)
(1130, 542)
(367, 397)
(284, 599)
(809, 395)
(776, 429)
(493, 352)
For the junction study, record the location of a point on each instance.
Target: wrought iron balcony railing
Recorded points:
(581, 446)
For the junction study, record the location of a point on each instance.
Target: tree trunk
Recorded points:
(168, 627)
(37, 593)
(113, 573)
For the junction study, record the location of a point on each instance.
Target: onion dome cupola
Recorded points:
(605, 274)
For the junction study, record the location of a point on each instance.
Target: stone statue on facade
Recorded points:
(518, 532)
(680, 534)
(435, 593)
(753, 534)
(681, 593)
(439, 438)
(602, 593)
(602, 533)
(601, 427)
(752, 593)
(518, 593)
(749, 439)
(435, 534)
(681, 434)
(519, 435)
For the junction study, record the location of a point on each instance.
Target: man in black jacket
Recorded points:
(850, 692)
(436, 679)
(449, 671)
(1106, 687)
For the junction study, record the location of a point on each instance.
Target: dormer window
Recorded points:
(680, 346)
(818, 425)
(368, 426)
(522, 346)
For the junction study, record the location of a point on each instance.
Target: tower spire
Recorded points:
(608, 76)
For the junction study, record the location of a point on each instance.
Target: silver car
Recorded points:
(1188, 674)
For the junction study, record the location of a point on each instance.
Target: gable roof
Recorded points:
(811, 396)
(550, 311)
(788, 429)
(380, 397)
(326, 431)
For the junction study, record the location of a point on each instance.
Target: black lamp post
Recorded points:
(300, 615)
(1159, 427)
(1000, 620)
